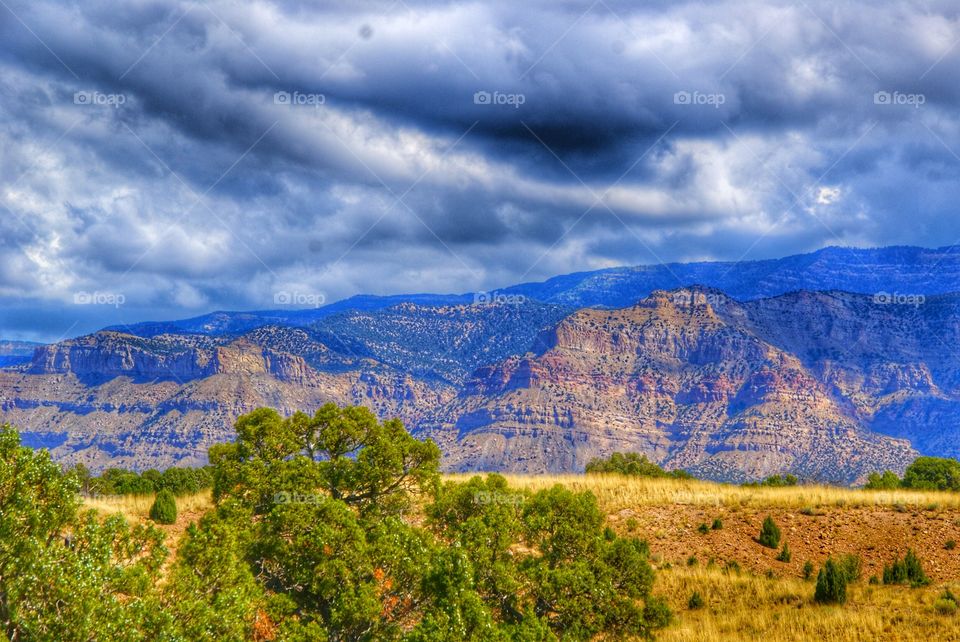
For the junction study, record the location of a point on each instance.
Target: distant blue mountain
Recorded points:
(901, 269)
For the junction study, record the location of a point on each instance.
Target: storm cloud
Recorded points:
(162, 159)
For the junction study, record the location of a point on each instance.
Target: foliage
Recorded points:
(164, 509)
(852, 567)
(831, 584)
(785, 555)
(343, 452)
(117, 481)
(807, 570)
(947, 603)
(775, 481)
(308, 540)
(888, 480)
(695, 601)
(769, 533)
(633, 464)
(65, 575)
(717, 524)
(932, 473)
(909, 570)
(945, 607)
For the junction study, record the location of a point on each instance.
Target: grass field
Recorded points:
(748, 594)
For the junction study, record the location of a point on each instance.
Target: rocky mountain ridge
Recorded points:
(829, 385)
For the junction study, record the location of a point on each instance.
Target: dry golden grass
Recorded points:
(616, 492)
(137, 507)
(748, 607)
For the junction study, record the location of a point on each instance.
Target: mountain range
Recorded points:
(827, 365)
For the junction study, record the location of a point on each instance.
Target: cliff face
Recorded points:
(825, 385)
(673, 376)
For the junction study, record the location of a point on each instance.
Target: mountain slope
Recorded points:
(672, 377)
(540, 377)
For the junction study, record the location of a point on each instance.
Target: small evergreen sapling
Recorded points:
(769, 533)
(831, 584)
(164, 509)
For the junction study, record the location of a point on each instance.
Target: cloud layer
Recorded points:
(181, 157)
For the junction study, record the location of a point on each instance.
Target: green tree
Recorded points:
(932, 473)
(831, 585)
(308, 541)
(342, 452)
(886, 481)
(769, 533)
(164, 508)
(785, 554)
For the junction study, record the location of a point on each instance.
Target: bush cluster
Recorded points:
(831, 584)
(118, 481)
(925, 473)
(775, 481)
(908, 570)
(633, 464)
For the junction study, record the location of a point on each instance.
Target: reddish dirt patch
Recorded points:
(876, 534)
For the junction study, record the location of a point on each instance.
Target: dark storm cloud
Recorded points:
(450, 146)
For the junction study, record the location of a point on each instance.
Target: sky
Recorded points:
(163, 159)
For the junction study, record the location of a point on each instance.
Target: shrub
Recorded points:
(945, 607)
(807, 570)
(888, 480)
(696, 601)
(909, 570)
(703, 529)
(692, 560)
(831, 585)
(164, 509)
(717, 524)
(852, 567)
(947, 603)
(769, 533)
(950, 544)
(785, 554)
